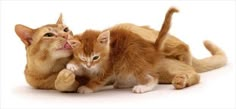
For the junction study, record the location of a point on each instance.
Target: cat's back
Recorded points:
(125, 44)
(127, 38)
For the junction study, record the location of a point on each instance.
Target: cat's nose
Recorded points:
(88, 65)
(65, 36)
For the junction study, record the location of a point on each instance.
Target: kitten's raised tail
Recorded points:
(164, 29)
(217, 60)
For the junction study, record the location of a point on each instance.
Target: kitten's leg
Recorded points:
(146, 82)
(124, 81)
(95, 84)
(66, 81)
(119, 85)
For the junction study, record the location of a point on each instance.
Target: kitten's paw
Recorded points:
(72, 67)
(84, 90)
(180, 81)
(141, 89)
(64, 80)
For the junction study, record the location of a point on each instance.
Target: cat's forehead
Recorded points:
(88, 41)
(89, 35)
(54, 26)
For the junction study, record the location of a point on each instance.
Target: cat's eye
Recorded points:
(48, 34)
(95, 58)
(66, 29)
(82, 59)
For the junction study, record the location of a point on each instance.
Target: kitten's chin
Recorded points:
(93, 69)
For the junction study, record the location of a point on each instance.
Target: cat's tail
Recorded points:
(217, 60)
(164, 29)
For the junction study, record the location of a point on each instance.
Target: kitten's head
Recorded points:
(91, 48)
(50, 39)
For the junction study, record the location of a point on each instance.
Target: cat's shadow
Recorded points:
(28, 91)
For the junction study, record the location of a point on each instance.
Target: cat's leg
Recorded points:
(145, 82)
(185, 79)
(95, 84)
(179, 74)
(124, 81)
(66, 81)
(119, 85)
(176, 49)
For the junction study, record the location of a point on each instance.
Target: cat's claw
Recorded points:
(72, 67)
(84, 90)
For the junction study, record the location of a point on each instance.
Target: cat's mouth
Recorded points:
(66, 46)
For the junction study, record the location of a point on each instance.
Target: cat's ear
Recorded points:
(60, 19)
(104, 37)
(74, 43)
(25, 34)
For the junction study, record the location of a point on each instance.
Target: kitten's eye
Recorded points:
(48, 34)
(66, 29)
(95, 58)
(83, 59)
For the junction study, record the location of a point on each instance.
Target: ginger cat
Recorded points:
(118, 55)
(47, 52)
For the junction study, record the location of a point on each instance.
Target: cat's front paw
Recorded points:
(72, 67)
(65, 80)
(84, 90)
(180, 81)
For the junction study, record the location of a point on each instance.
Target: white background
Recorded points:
(197, 21)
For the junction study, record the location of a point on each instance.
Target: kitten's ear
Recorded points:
(74, 43)
(25, 34)
(104, 37)
(60, 20)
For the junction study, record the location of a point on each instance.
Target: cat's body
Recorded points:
(47, 52)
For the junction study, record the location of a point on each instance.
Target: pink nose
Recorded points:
(88, 65)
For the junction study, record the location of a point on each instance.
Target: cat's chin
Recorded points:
(62, 54)
(65, 47)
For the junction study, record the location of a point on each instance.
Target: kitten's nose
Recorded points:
(88, 65)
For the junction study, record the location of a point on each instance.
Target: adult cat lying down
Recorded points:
(44, 63)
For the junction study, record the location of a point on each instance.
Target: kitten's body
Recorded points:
(126, 60)
(123, 56)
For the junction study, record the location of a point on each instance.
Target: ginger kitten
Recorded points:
(118, 55)
(47, 52)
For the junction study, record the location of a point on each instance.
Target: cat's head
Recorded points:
(51, 39)
(91, 48)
